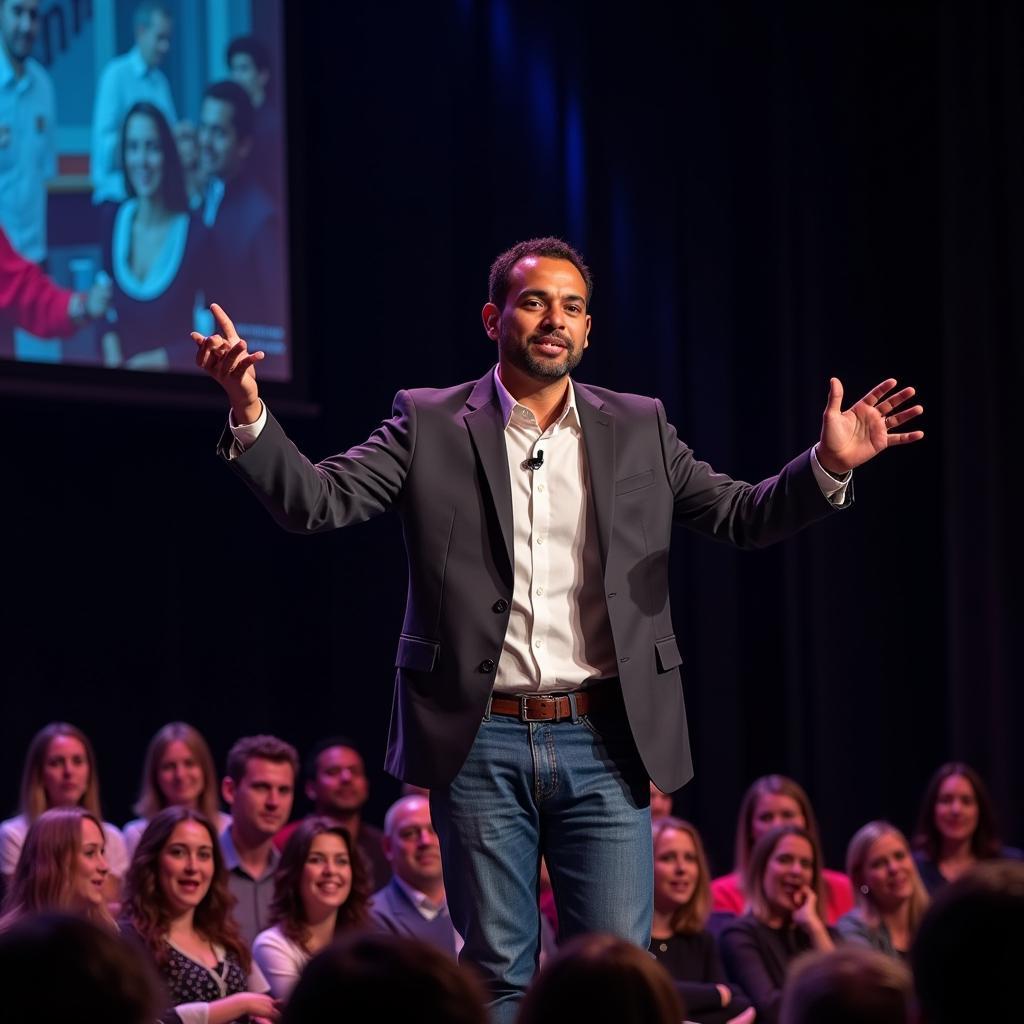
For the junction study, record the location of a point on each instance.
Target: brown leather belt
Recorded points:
(555, 707)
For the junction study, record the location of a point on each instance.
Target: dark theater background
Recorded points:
(768, 194)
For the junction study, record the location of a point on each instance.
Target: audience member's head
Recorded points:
(61, 868)
(411, 844)
(970, 947)
(55, 969)
(226, 122)
(770, 801)
(957, 809)
(19, 26)
(365, 976)
(336, 779)
(149, 156)
(783, 871)
(682, 887)
(319, 876)
(850, 985)
(661, 803)
(249, 66)
(883, 874)
(260, 786)
(153, 25)
(178, 772)
(60, 771)
(178, 873)
(600, 977)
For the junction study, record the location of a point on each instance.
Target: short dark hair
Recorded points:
(309, 766)
(252, 47)
(551, 247)
(985, 843)
(268, 748)
(243, 115)
(172, 184)
(144, 12)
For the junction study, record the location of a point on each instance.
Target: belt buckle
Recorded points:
(524, 714)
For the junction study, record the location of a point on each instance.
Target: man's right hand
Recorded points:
(226, 358)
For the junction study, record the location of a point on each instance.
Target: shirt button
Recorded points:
(499, 606)
(538, 643)
(486, 665)
(540, 487)
(540, 540)
(540, 591)
(625, 659)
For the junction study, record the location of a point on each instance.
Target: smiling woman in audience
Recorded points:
(177, 905)
(785, 887)
(320, 890)
(178, 772)
(891, 900)
(679, 939)
(61, 868)
(60, 771)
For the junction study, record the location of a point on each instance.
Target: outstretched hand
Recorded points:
(226, 358)
(851, 438)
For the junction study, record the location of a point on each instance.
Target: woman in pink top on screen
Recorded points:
(770, 801)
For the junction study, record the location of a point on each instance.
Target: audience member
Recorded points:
(178, 772)
(27, 115)
(601, 978)
(259, 787)
(186, 137)
(30, 300)
(850, 985)
(61, 868)
(365, 977)
(970, 947)
(178, 907)
(336, 783)
(320, 891)
(771, 801)
(413, 902)
(661, 803)
(134, 77)
(152, 251)
(785, 889)
(680, 941)
(55, 969)
(60, 771)
(249, 65)
(956, 827)
(891, 899)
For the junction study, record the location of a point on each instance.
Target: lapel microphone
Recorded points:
(537, 461)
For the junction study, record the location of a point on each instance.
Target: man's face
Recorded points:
(261, 800)
(221, 152)
(243, 70)
(19, 26)
(543, 328)
(154, 39)
(340, 787)
(412, 846)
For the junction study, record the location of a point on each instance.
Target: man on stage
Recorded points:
(538, 685)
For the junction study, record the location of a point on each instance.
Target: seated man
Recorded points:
(413, 902)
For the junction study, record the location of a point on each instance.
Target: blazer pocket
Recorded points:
(416, 653)
(667, 652)
(634, 482)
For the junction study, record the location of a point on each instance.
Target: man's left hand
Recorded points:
(851, 438)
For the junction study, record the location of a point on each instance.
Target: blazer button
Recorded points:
(499, 606)
(487, 665)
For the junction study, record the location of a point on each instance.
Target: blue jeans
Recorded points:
(575, 792)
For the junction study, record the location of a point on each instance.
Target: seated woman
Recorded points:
(785, 889)
(178, 772)
(679, 940)
(178, 906)
(153, 251)
(320, 890)
(891, 899)
(60, 771)
(61, 868)
(956, 827)
(770, 801)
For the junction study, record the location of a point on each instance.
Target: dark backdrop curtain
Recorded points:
(768, 194)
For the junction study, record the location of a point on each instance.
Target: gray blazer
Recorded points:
(440, 461)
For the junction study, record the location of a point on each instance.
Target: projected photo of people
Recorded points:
(142, 163)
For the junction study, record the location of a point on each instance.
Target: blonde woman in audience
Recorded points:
(786, 890)
(60, 771)
(178, 907)
(320, 890)
(891, 899)
(61, 868)
(178, 772)
(770, 801)
(680, 941)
